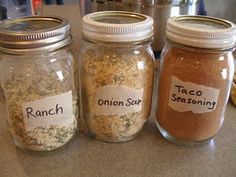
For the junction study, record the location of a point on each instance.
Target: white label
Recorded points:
(53, 110)
(117, 100)
(187, 96)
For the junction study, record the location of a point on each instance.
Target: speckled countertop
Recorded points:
(148, 155)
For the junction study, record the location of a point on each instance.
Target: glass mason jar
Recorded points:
(196, 74)
(233, 88)
(117, 66)
(37, 77)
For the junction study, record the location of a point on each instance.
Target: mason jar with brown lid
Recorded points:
(196, 73)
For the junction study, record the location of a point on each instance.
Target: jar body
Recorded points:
(41, 98)
(117, 83)
(2, 99)
(193, 90)
(233, 89)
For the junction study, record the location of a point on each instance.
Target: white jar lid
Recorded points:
(117, 26)
(201, 32)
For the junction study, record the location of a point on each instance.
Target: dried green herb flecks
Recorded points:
(26, 79)
(128, 66)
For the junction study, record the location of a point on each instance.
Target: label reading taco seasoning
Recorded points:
(187, 96)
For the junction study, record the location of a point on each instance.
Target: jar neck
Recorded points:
(196, 49)
(34, 53)
(35, 49)
(119, 44)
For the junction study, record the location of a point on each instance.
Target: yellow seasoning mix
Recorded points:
(116, 74)
(196, 74)
(37, 77)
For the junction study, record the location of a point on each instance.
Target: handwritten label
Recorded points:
(187, 96)
(53, 110)
(117, 100)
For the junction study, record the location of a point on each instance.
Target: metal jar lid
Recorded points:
(201, 32)
(34, 34)
(117, 26)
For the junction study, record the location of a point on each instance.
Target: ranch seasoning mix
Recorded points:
(117, 74)
(37, 77)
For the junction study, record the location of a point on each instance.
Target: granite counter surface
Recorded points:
(148, 155)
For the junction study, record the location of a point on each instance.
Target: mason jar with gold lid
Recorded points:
(196, 74)
(37, 76)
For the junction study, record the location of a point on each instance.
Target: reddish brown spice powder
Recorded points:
(203, 67)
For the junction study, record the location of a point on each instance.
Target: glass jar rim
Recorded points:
(198, 49)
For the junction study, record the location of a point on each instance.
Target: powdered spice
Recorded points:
(201, 68)
(195, 78)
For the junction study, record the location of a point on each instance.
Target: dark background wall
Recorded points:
(219, 8)
(222, 8)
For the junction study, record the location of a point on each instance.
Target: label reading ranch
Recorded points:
(187, 96)
(117, 100)
(53, 110)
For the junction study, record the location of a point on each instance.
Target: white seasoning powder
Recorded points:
(37, 80)
(117, 67)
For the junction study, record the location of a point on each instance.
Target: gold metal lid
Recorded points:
(34, 34)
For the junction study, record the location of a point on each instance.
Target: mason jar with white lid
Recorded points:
(37, 76)
(117, 74)
(196, 74)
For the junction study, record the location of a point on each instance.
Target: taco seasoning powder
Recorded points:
(195, 78)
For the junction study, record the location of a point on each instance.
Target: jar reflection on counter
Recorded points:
(37, 77)
(117, 74)
(195, 78)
